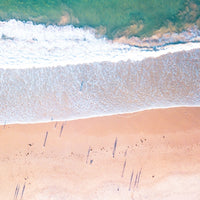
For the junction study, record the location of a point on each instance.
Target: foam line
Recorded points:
(25, 45)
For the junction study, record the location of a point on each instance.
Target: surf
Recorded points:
(29, 45)
(102, 88)
(66, 73)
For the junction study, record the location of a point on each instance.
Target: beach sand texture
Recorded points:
(153, 154)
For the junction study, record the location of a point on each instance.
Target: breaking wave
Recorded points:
(25, 45)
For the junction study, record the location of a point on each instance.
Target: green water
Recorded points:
(114, 17)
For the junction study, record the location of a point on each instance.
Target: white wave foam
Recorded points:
(99, 89)
(25, 45)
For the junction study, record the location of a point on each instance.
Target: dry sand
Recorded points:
(161, 147)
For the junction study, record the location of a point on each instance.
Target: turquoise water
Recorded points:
(111, 17)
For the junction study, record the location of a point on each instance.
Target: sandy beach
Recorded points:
(152, 155)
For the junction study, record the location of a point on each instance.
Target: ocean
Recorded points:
(65, 60)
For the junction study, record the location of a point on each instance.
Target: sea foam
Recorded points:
(25, 45)
(66, 73)
(98, 89)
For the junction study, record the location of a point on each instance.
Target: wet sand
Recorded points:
(156, 157)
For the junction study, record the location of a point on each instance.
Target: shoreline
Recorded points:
(108, 88)
(98, 116)
(160, 146)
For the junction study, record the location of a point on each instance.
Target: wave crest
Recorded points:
(25, 45)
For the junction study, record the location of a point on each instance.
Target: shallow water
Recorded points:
(101, 88)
